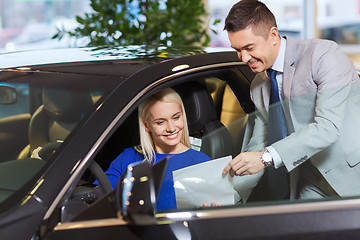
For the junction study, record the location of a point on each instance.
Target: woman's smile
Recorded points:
(172, 136)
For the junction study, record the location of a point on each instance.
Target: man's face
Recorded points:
(254, 50)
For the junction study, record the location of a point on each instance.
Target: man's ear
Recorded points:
(274, 35)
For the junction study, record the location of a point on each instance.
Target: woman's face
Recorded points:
(165, 122)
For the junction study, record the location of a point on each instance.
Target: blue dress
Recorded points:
(166, 198)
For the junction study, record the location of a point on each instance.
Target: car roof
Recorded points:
(43, 57)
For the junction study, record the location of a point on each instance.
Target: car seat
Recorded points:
(59, 113)
(203, 121)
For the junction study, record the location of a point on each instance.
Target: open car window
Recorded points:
(218, 132)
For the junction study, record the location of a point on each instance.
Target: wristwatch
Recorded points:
(266, 157)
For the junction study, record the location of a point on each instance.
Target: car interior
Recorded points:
(203, 120)
(52, 122)
(214, 115)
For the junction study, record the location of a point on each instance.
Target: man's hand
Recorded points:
(244, 164)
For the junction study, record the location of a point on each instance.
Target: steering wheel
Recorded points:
(94, 168)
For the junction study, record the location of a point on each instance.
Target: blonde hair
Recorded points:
(146, 142)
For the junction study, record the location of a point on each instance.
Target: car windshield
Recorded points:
(38, 111)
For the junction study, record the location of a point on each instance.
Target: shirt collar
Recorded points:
(280, 60)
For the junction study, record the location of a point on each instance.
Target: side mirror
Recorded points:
(8, 95)
(137, 191)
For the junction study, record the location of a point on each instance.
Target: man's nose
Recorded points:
(245, 56)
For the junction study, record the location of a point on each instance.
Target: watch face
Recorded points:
(267, 157)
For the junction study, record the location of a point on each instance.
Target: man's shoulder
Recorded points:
(322, 44)
(314, 44)
(304, 50)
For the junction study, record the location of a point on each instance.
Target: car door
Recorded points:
(257, 219)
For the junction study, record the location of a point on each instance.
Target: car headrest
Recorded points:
(198, 104)
(65, 105)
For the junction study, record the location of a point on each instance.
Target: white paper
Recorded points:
(204, 183)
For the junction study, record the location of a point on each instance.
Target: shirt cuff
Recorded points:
(276, 157)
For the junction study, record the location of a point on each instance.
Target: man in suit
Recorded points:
(318, 86)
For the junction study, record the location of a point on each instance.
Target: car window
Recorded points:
(222, 118)
(37, 114)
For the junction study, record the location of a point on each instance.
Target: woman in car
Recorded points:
(163, 132)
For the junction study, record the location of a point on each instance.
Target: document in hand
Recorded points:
(204, 183)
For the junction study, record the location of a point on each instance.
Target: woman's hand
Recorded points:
(212, 204)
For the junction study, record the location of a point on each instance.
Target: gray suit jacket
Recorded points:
(322, 113)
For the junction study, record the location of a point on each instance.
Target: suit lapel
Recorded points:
(289, 69)
(265, 90)
(260, 90)
(287, 82)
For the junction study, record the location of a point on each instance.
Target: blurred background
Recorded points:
(31, 24)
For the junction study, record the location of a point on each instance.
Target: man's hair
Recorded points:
(250, 14)
(146, 142)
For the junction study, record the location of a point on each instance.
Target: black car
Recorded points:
(66, 114)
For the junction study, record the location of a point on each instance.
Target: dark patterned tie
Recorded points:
(277, 178)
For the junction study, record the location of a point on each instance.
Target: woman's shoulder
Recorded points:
(133, 151)
(130, 154)
(198, 154)
(130, 150)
